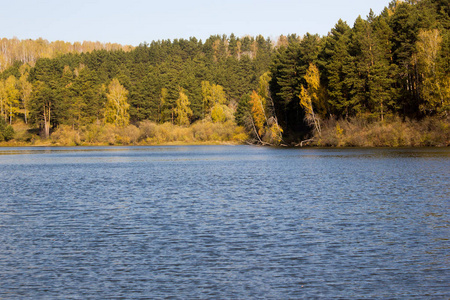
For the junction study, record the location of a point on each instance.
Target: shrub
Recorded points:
(147, 130)
(393, 132)
(8, 133)
(66, 135)
(127, 135)
(108, 134)
(92, 133)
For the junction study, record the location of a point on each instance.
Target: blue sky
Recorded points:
(135, 21)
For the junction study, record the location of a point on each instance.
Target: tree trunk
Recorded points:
(47, 122)
(316, 121)
(256, 131)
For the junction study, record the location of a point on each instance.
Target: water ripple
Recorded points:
(224, 222)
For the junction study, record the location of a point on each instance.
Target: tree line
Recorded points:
(180, 81)
(29, 51)
(392, 64)
(396, 63)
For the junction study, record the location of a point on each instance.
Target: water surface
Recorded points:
(224, 222)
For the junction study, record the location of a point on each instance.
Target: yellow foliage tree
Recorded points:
(435, 87)
(276, 133)
(183, 110)
(2, 100)
(116, 110)
(309, 97)
(264, 121)
(263, 89)
(257, 109)
(12, 97)
(218, 114)
(212, 94)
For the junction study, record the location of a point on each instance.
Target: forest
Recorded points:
(382, 81)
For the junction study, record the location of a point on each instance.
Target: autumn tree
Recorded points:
(435, 89)
(212, 94)
(264, 120)
(182, 110)
(310, 98)
(12, 97)
(3, 114)
(116, 109)
(258, 116)
(214, 102)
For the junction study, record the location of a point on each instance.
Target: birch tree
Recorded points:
(264, 121)
(435, 86)
(2, 100)
(116, 110)
(309, 97)
(183, 110)
(12, 97)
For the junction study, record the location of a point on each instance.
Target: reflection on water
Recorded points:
(224, 222)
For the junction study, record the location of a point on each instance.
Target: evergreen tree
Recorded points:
(25, 90)
(285, 86)
(335, 61)
(42, 105)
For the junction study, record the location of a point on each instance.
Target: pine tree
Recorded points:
(25, 90)
(335, 61)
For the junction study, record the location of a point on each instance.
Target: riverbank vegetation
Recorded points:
(384, 81)
(144, 133)
(394, 132)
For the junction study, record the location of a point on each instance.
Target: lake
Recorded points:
(202, 222)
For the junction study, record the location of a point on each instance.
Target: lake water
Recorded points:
(224, 222)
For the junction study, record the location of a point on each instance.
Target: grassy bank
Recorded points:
(145, 133)
(393, 132)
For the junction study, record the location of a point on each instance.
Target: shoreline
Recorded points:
(180, 143)
(349, 133)
(25, 145)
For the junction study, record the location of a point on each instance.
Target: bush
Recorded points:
(147, 130)
(6, 131)
(392, 132)
(108, 134)
(66, 135)
(218, 132)
(147, 133)
(127, 135)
